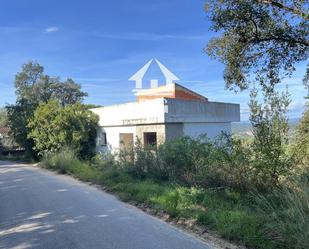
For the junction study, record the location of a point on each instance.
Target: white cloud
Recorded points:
(51, 29)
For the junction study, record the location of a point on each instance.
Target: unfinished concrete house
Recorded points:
(162, 113)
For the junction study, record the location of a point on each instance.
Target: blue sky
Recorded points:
(101, 43)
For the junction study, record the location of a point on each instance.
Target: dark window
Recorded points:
(126, 140)
(102, 139)
(150, 139)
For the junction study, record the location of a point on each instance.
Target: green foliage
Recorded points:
(3, 118)
(270, 130)
(33, 87)
(226, 162)
(276, 219)
(301, 146)
(5, 142)
(36, 87)
(66, 162)
(261, 39)
(232, 164)
(61, 161)
(54, 127)
(287, 212)
(224, 211)
(186, 159)
(18, 117)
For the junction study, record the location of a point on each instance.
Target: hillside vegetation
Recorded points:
(217, 185)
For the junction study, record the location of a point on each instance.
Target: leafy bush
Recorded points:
(226, 162)
(212, 197)
(54, 127)
(186, 160)
(231, 163)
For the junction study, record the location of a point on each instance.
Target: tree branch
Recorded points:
(295, 11)
(282, 39)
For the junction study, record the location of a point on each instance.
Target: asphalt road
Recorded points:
(40, 209)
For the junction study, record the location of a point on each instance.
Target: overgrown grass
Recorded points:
(221, 185)
(287, 211)
(232, 215)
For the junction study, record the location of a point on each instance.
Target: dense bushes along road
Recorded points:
(217, 184)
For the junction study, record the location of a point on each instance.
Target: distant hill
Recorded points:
(243, 129)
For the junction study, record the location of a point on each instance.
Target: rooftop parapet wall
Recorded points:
(165, 110)
(182, 111)
(148, 112)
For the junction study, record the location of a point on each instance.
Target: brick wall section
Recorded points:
(178, 92)
(182, 94)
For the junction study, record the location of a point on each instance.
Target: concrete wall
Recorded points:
(174, 131)
(112, 136)
(186, 111)
(147, 112)
(113, 140)
(165, 132)
(169, 118)
(158, 111)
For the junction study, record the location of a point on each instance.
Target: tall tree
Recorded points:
(18, 116)
(33, 88)
(259, 39)
(270, 129)
(3, 117)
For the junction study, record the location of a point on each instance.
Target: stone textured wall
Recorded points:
(159, 129)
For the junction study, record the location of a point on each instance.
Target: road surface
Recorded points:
(40, 209)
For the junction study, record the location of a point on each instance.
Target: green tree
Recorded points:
(270, 130)
(54, 127)
(262, 41)
(259, 38)
(36, 87)
(18, 116)
(301, 147)
(3, 117)
(33, 87)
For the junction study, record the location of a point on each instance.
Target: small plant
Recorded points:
(65, 161)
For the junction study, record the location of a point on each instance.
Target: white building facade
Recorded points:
(162, 113)
(158, 120)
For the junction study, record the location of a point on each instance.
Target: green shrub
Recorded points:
(300, 147)
(66, 162)
(103, 161)
(270, 129)
(186, 160)
(225, 162)
(231, 164)
(208, 182)
(53, 127)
